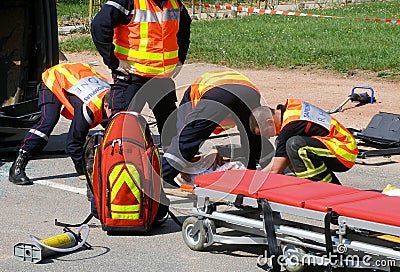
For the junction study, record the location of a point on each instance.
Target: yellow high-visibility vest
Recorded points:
(212, 80)
(149, 41)
(82, 81)
(339, 140)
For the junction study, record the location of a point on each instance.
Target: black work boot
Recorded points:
(17, 170)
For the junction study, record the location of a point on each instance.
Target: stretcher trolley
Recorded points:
(299, 222)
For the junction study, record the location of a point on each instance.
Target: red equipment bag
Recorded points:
(126, 175)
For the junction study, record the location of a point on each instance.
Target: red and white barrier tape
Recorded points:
(289, 13)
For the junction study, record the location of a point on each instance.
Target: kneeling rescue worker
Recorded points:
(83, 93)
(215, 101)
(310, 141)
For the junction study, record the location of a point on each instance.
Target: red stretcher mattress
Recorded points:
(298, 192)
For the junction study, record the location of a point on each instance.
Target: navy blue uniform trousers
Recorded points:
(195, 125)
(37, 137)
(133, 92)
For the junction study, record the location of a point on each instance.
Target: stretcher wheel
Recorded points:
(195, 241)
(293, 266)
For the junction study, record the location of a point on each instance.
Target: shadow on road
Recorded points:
(95, 252)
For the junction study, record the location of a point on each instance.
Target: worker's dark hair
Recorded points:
(259, 116)
(106, 97)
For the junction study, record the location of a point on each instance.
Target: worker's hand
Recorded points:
(217, 161)
(177, 69)
(125, 68)
(186, 177)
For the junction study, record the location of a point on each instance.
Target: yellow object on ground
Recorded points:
(391, 190)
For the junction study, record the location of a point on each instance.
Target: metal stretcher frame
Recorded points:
(356, 243)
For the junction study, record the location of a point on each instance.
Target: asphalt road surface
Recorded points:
(57, 193)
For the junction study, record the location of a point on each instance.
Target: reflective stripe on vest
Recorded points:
(82, 81)
(118, 6)
(124, 174)
(214, 79)
(339, 140)
(149, 41)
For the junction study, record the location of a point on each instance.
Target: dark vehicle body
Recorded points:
(28, 46)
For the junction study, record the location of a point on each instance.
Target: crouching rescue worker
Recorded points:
(310, 141)
(215, 101)
(83, 94)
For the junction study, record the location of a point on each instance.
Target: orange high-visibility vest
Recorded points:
(215, 79)
(339, 140)
(82, 81)
(149, 41)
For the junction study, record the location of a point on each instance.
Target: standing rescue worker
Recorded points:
(213, 102)
(81, 91)
(312, 142)
(141, 40)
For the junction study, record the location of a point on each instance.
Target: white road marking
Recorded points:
(81, 191)
(64, 187)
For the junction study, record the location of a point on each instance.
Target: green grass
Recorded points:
(78, 9)
(287, 41)
(78, 44)
(261, 41)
